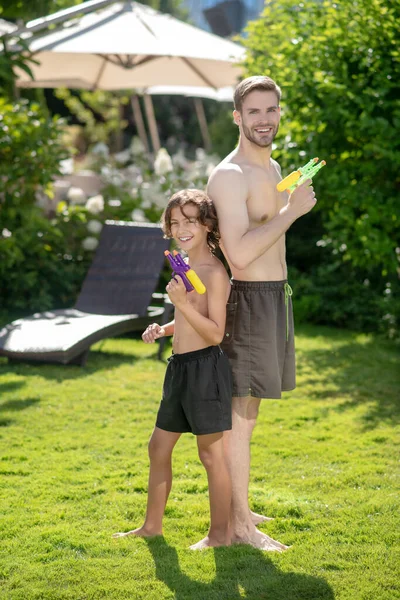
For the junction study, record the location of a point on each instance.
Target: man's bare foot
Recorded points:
(257, 519)
(207, 543)
(140, 532)
(259, 540)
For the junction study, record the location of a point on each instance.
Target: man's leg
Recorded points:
(213, 457)
(161, 446)
(244, 415)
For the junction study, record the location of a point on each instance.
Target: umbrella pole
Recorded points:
(138, 118)
(151, 120)
(201, 117)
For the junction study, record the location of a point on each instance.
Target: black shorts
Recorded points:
(197, 393)
(259, 338)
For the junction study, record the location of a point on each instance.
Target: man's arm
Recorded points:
(228, 190)
(210, 328)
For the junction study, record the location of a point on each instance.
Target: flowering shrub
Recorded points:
(44, 260)
(134, 188)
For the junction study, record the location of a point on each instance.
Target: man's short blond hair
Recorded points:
(257, 82)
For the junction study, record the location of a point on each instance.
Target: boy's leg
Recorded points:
(161, 446)
(212, 455)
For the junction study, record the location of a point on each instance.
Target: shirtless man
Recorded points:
(259, 337)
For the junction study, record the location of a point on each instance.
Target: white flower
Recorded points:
(112, 175)
(90, 243)
(67, 166)
(94, 226)
(76, 195)
(138, 215)
(137, 146)
(95, 204)
(115, 202)
(179, 159)
(163, 162)
(151, 192)
(100, 149)
(200, 154)
(123, 157)
(195, 171)
(6, 233)
(132, 173)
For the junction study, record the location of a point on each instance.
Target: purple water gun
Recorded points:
(189, 277)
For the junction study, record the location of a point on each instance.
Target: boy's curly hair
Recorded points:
(207, 215)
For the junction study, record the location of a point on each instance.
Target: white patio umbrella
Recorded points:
(224, 94)
(128, 45)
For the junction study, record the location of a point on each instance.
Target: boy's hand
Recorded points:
(176, 291)
(152, 333)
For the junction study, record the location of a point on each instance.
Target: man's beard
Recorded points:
(261, 144)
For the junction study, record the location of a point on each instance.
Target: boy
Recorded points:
(198, 383)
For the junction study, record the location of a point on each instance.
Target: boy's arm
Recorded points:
(210, 328)
(169, 328)
(228, 190)
(155, 331)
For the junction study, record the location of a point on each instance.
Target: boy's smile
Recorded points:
(186, 229)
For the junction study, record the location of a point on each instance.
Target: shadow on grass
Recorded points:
(10, 386)
(239, 569)
(97, 361)
(16, 405)
(367, 372)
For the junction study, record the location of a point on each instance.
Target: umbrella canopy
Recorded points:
(224, 94)
(128, 46)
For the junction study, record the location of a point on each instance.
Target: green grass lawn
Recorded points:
(73, 469)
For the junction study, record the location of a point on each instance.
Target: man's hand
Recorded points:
(152, 333)
(302, 200)
(177, 292)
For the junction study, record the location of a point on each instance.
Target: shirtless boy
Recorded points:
(197, 390)
(259, 338)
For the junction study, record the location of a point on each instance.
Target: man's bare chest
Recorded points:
(263, 203)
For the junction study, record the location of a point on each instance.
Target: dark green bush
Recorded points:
(39, 263)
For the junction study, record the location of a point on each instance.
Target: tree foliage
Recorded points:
(27, 10)
(338, 64)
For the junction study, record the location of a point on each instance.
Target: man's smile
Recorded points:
(263, 129)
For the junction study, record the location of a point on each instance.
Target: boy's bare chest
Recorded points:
(199, 302)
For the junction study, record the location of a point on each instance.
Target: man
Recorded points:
(259, 337)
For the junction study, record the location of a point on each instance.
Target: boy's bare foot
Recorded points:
(140, 532)
(259, 540)
(207, 543)
(257, 519)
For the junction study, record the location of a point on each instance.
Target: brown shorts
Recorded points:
(259, 338)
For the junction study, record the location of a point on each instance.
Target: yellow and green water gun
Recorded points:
(298, 177)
